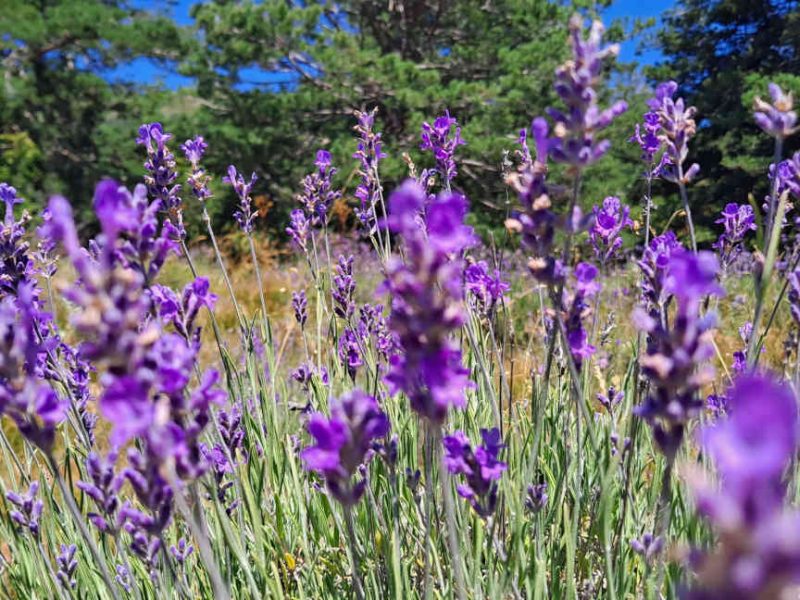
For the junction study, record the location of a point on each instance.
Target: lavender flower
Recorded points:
(182, 551)
(653, 265)
(577, 308)
(305, 372)
(612, 399)
(182, 313)
(372, 325)
(605, 233)
(737, 220)
(648, 547)
(649, 140)
(28, 509)
(677, 128)
(480, 468)
(536, 497)
(758, 546)
(318, 194)
(223, 470)
(300, 306)
(776, 118)
(343, 288)
(483, 290)
(161, 174)
(427, 294)
(198, 180)
(299, 229)
(244, 215)
(350, 352)
(369, 155)
(103, 489)
(440, 139)
(576, 128)
(342, 442)
(677, 352)
(67, 564)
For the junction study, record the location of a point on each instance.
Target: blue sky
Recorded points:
(145, 71)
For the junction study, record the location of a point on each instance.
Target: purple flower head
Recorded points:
(427, 301)
(67, 563)
(677, 127)
(8, 195)
(103, 489)
(344, 286)
(654, 270)
(737, 220)
(372, 325)
(441, 139)
(198, 179)
(605, 233)
(575, 128)
(350, 352)
(161, 173)
(28, 509)
(318, 193)
(678, 350)
(483, 290)
(536, 497)
(299, 229)
(182, 551)
(577, 308)
(480, 468)
(758, 551)
(788, 174)
(182, 312)
(776, 118)
(612, 399)
(342, 442)
(647, 136)
(648, 546)
(244, 216)
(305, 373)
(369, 154)
(300, 306)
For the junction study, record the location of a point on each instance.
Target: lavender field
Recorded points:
(586, 405)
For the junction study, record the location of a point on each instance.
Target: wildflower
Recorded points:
(369, 155)
(609, 221)
(653, 265)
(244, 215)
(442, 141)
(318, 193)
(28, 509)
(67, 564)
(737, 220)
(103, 489)
(198, 180)
(575, 128)
(758, 537)
(427, 301)
(612, 399)
(648, 547)
(300, 306)
(299, 229)
(576, 309)
(350, 352)
(776, 118)
(484, 290)
(181, 551)
(536, 497)
(677, 128)
(480, 468)
(161, 174)
(648, 140)
(343, 288)
(342, 442)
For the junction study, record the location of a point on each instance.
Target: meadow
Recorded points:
(582, 407)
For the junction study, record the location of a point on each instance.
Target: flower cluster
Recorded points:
(677, 128)
(427, 300)
(759, 539)
(198, 180)
(441, 139)
(244, 215)
(577, 308)
(605, 233)
(369, 155)
(776, 118)
(737, 220)
(344, 286)
(161, 174)
(575, 129)
(653, 265)
(484, 291)
(342, 442)
(677, 351)
(480, 468)
(318, 193)
(28, 509)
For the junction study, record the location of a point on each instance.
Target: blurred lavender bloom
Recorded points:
(16, 265)
(612, 399)
(575, 129)
(103, 489)
(300, 306)
(350, 352)
(182, 313)
(788, 174)
(244, 215)
(222, 470)
(577, 308)
(776, 118)
(737, 220)
(536, 497)
(28, 509)
(653, 265)
(344, 286)
(605, 233)
(480, 467)
(342, 442)
(305, 372)
(442, 141)
(372, 325)
(427, 301)
(677, 352)
(717, 405)
(181, 551)
(67, 564)
(231, 429)
(647, 137)
(648, 546)
(369, 155)
(123, 578)
(484, 291)
(758, 548)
